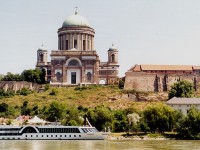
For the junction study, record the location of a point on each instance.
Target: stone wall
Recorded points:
(156, 83)
(18, 85)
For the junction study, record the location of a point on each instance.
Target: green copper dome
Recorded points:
(75, 20)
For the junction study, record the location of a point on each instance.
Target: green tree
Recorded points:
(34, 75)
(189, 127)
(159, 117)
(120, 121)
(55, 111)
(101, 117)
(24, 109)
(1, 76)
(181, 89)
(11, 77)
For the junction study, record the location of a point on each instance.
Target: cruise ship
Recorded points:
(50, 132)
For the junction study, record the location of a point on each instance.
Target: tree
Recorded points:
(181, 89)
(133, 120)
(189, 127)
(120, 121)
(11, 77)
(24, 109)
(159, 117)
(55, 111)
(34, 75)
(101, 117)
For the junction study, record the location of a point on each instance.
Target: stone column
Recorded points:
(81, 41)
(82, 74)
(64, 71)
(77, 38)
(70, 41)
(92, 42)
(59, 42)
(64, 41)
(86, 42)
(73, 40)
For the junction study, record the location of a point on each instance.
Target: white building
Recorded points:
(183, 104)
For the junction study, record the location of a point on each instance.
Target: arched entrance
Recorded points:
(73, 71)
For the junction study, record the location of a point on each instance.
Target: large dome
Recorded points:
(75, 20)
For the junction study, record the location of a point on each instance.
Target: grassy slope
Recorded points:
(89, 97)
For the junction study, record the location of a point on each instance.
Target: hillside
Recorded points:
(91, 96)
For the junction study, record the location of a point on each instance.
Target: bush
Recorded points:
(47, 86)
(25, 91)
(53, 92)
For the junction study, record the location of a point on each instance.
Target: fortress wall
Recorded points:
(139, 82)
(18, 85)
(156, 83)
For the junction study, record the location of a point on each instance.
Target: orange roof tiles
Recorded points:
(196, 67)
(167, 67)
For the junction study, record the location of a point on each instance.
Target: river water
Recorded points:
(99, 145)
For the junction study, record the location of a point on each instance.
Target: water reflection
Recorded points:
(99, 145)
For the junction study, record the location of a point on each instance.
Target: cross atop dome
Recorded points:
(76, 11)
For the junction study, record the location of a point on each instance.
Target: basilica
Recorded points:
(76, 61)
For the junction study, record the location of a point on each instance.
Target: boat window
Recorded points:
(51, 135)
(47, 135)
(69, 135)
(60, 135)
(56, 135)
(79, 135)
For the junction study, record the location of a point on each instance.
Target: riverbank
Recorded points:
(124, 136)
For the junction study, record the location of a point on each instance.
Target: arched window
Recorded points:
(113, 57)
(73, 63)
(58, 76)
(41, 57)
(89, 76)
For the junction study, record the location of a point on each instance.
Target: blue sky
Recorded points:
(144, 31)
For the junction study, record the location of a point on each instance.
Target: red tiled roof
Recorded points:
(196, 67)
(167, 67)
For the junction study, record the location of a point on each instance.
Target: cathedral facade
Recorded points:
(76, 61)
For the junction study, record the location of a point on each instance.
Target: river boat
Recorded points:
(50, 132)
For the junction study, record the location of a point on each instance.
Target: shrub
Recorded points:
(53, 92)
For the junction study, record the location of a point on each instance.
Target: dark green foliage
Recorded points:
(12, 77)
(189, 127)
(33, 75)
(159, 117)
(101, 117)
(72, 123)
(121, 83)
(181, 89)
(4, 94)
(3, 107)
(24, 91)
(53, 92)
(47, 87)
(24, 109)
(120, 121)
(55, 111)
(73, 114)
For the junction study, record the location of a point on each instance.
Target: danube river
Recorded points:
(100, 145)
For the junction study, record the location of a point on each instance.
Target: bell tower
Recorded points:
(113, 55)
(41, 57)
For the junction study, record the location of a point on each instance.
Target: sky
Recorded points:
(144, 31)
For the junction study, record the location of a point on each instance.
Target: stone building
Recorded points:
(76, 61)
(158, 78)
